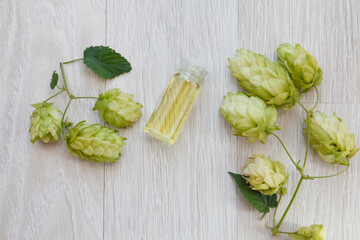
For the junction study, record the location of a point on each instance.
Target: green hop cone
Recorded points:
(331, 138)
(313, 232)
(249, 116)
(265, 175)
(117, 108)
(94, 142)
(304, 69)
(264, 78)
(45, 123)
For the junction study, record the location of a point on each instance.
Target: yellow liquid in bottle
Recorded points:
(167, 120)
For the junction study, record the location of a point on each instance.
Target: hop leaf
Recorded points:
(105, 62)
(45, 123)
(265, 175)
(117, 108)
(303, 68)
(249, 116)
(261, 202)
(313, 232)
(54, 80)
(94, 142)
(264, 78)
(331, 138)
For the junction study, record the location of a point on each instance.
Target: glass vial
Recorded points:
(175, 105)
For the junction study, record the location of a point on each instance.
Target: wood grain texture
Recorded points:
(156, 191)
(45, 192)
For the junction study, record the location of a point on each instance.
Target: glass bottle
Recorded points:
(175, 105)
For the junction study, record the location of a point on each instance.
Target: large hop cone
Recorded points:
(265, 175)
(304, 69)
(45, 123)
(331, 138)
(117, 108)
(264, 78)
(94, 142)
(249, 116)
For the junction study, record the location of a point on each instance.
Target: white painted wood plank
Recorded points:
(156, 191)
(45, 193)
(184, 192)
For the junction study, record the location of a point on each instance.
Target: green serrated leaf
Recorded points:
(105, 62)
(271, 201)
(54, 80)
(259, 201)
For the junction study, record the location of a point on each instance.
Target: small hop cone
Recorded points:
(265, 175)
(45, 123)
(313, 232)
(331, 138)
(117, 108)
(249, 116)
(303, 68)
(264, 78)
(94, 142)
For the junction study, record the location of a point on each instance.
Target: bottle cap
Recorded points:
(194, 67)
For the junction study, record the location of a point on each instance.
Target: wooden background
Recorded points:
(156, 191)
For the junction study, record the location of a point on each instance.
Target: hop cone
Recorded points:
(45, 123)
(264, 78)
(303, 68)
(94, 142)
(117, 108)
(249, 116)
(265, 175)
(313, 232)
(331, 138)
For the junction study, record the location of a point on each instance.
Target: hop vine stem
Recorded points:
(308, 137)
(317, 97)
(66, 88)
(285, 232)
(63, 117)
(290, 203)
(276, 209)
(332, 175)
(301, 169)
(79, 59)
(292, 160)
(86, 97)
(71, 96)
(55, 95)
(303, 107)
(308, 115)
(65, 82)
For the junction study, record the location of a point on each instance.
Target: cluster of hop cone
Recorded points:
(93, 142)
(272, 85)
